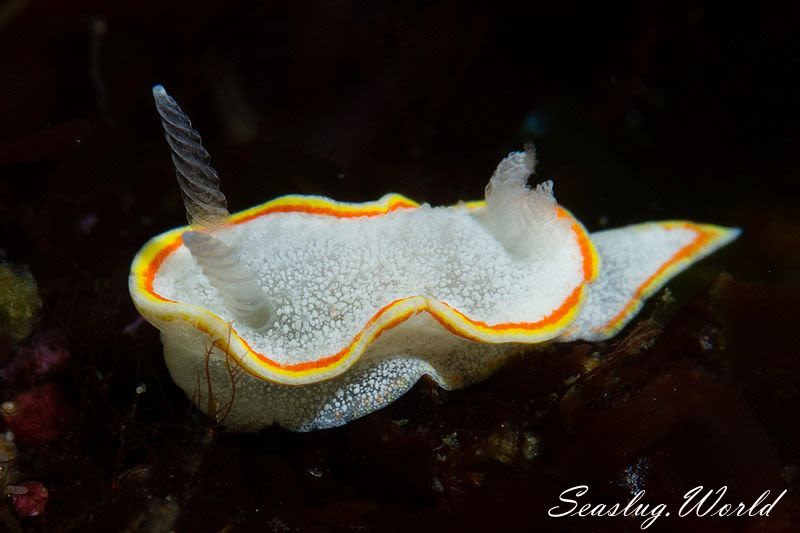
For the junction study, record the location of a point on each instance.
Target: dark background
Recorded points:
(645, 111)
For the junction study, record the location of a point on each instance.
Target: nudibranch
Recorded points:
(308, 313)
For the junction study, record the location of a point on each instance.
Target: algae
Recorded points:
(19, 301)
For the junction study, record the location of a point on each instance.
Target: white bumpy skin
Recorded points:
(327, 277)
(309, 313)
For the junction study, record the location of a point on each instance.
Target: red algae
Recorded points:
(30, 498)
(36, 416)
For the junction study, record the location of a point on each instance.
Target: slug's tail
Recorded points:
(206, 206)
(637, 261)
